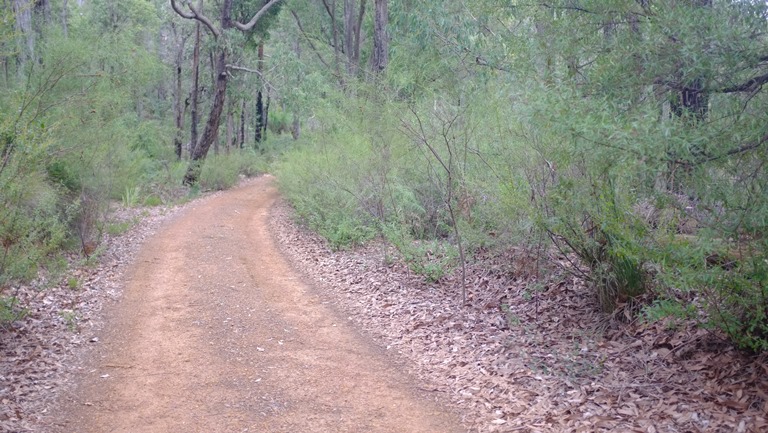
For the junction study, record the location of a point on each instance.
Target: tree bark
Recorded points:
(335, 37)
(692, 99)
(64, 19)
(22, 10)
(296, 125)
(266, 119)
(380, 57)
(195, 92)
(353, 20)
(231, 133)
(178, 103)
(241, 136)
(212, 126)
(259, 119)
(260, 116)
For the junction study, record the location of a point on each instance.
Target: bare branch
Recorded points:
(244, 69)
(181, 12)
(750, 85)
(739, 150)
(328, 9)
(249, 25)
(571, 7)
(266, 82)
(309, 40)
(197, 16)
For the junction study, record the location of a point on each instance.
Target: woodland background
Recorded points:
(621, 141)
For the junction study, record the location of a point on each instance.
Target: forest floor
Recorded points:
(233, 318)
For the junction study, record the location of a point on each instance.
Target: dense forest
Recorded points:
(622, 140)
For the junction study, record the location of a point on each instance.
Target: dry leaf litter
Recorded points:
(533, 355)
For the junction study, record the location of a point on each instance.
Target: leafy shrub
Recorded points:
(739, 304)
(10, 311)
(279, 122)
(32, 219)
(433, 259)
(223, 171)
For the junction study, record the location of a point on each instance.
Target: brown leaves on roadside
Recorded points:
(39, 353)
(533, 354)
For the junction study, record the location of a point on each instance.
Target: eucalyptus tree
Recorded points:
(222, 31)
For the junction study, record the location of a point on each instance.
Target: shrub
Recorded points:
(223, 171)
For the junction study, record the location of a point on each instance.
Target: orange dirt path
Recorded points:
(216, 332)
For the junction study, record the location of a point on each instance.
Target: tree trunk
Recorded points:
(296, 125)
(380, 57)
(241, 136)
(353, 19)
(692, 100)
(358, 29)
(259, 119)
(266, 119)
(212, 126)
(178, 105)
(335, 37)
(260, 116)
(195, 93)
(219, 68)
(230, 129)
(22, 10)
(64, 19)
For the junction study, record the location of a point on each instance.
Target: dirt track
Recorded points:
(216, 333)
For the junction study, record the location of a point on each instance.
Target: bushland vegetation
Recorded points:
(95, 111)
(626, 138)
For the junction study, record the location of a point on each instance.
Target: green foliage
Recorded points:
(73, 283)
(628, 135)
(32, 217)
(244, 10)
(79, 128)
(70, 319)
(118, 228)
(320, 200)
(131, 196)
(279, 122)
(433, 259)
(223, 171)
(662, 309)
(10, 311)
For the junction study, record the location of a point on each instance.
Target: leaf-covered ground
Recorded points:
(533, 355)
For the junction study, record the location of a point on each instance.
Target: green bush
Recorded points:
(432, 259)
(223, 171)
(32, 217)
(279, 122)
(10, 311)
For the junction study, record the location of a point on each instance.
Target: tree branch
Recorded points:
(301, 29)
(197, 16)
(244, 69)
(748, 86)
(328, 9)
(252, 71)
(739, 150)
(249, 25)
(573, 8)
